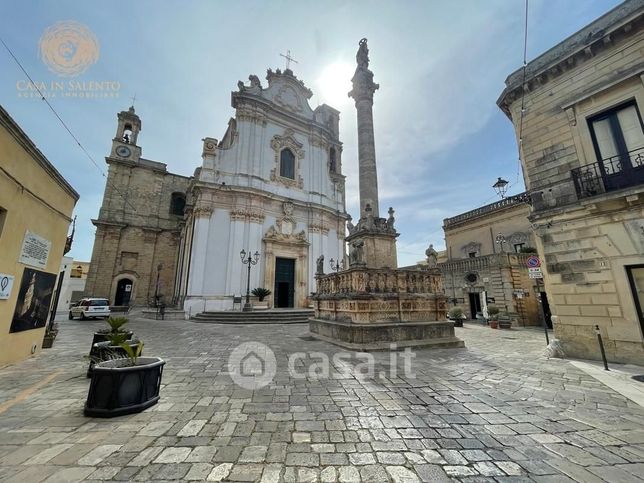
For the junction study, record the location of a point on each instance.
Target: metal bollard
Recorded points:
(543, 317)
(601, 347)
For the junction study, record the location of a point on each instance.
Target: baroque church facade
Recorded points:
(273, 185)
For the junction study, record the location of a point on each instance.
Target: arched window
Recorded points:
(332, 162)
(287, 164)
(177, 204)
(127, 133)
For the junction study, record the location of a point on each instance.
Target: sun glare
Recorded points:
(334, 83)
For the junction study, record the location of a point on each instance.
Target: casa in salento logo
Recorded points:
(68, 49)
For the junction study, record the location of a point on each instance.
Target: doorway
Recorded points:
(475, 304)
(284, 282)
(123, 292)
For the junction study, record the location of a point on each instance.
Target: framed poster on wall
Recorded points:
(34, 299)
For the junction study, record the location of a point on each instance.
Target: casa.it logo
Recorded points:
(252, 365)
(68, 48)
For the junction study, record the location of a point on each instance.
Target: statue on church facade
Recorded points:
(319, 265)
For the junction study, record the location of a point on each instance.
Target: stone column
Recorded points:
(362, 93)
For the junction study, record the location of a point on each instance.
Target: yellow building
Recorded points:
(36, 204)
(582, 153)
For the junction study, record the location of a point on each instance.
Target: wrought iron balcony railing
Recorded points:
(610, 174)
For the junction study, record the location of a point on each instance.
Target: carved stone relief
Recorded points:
(471, 247)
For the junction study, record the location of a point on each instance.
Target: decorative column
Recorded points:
(362, 93)
(372, 242)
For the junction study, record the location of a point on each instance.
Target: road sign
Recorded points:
(533, 261)
(6, 282)
(535, 272)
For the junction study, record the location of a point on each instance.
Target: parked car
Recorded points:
(90, 307)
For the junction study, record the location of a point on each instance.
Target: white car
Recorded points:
(90, 308)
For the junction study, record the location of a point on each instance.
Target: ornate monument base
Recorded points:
(370, 309)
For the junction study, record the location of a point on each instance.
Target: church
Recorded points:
(271, 189)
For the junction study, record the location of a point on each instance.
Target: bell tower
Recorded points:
(124, 147)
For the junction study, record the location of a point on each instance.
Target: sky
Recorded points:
(441, 140)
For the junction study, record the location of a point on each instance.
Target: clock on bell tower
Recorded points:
(124, 147)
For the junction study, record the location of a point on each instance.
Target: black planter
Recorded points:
(103, 351)
(118, 388)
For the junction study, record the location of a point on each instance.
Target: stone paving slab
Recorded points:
(496, 410)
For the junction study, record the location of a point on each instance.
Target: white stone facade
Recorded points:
(245, 196)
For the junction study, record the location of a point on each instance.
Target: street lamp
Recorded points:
(248, 261)
(335, 266)
(500, 239)
(501, 186)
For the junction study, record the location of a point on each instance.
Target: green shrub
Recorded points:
(261, 293)
(116, 323)
(455, 313)
(493, 311)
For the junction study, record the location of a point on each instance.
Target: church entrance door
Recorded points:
(123, 292)
(284, 282)
(475, 304)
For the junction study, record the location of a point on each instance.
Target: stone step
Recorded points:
(260, 317)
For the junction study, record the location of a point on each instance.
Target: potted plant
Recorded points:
(493, 316)
(125, 385)
(505, 321)
(261, 293)
(456, 314)
(115, 326)
(50, 335)
(109, 344)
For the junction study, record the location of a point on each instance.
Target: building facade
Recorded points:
(36, 205)
(139, 224)
(582, 152)
(487, 250)
(72, 286)
(272, 185)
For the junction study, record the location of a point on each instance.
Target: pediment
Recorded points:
(287, 92)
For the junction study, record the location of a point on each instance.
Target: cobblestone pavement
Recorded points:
(494, 411)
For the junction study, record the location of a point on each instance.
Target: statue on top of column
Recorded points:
(362, 57)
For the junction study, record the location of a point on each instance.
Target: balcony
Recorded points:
(493, 260)
(611, 174)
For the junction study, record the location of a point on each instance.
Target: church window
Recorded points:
(518, 247)
(177, 204)
(332, 160)
(472, 254)
(287, 164)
